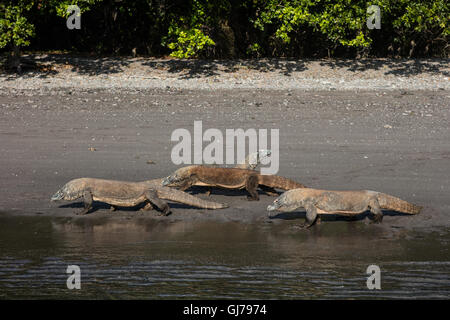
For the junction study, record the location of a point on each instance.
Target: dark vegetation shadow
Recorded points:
(209, 68)
(397, 67)
(29, 68)
(48, 65)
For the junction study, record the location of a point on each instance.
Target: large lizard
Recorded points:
(339, 202)
(138, 192)
(229, 178)
(128, 194)
(251, 162)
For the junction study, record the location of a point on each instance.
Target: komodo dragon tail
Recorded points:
(279, 182)
(183, 197)
(388, 202)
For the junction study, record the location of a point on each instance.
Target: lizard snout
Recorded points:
(168, 180)
(57, 196)
(273, 207)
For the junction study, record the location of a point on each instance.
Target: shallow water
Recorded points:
(158, 259)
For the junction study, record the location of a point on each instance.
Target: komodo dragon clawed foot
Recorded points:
(374, 207)
(162, 206)
(253, 198)
(378, 218)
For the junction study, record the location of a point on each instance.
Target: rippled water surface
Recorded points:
(157, 259)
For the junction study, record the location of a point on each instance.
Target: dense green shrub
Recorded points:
(229, 28)
(15, 29)
(404, 23)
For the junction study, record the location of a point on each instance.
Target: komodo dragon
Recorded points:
(229, 178)
(128, 194)
(251, 162)
(348, 203)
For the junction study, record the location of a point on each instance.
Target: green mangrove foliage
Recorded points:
(229, 28)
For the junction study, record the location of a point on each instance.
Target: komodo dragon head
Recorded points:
(288, 201)
(72, 190)
(178, 177)
(258, 157)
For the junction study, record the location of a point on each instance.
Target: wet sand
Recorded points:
(396, 142)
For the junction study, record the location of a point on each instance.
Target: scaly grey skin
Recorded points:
(229, 178)
(348, 203)
(127, 194)
(251, 162)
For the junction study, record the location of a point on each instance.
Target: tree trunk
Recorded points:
(13, 62)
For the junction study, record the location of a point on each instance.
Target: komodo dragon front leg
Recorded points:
(375, 208)
(87, 200)
(251, 186)
(311, 217)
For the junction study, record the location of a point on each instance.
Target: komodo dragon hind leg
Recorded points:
(269, 191)
(87, 199)
(311, 216)
(376, 211)
(160, 204)
(251, 185)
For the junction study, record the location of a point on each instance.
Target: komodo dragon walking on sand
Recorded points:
(251, 162)
(229, 178)
(128, 194)
(348, 203)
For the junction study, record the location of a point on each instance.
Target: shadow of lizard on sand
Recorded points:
(333, 217)
(194, 190)
(98, 205)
